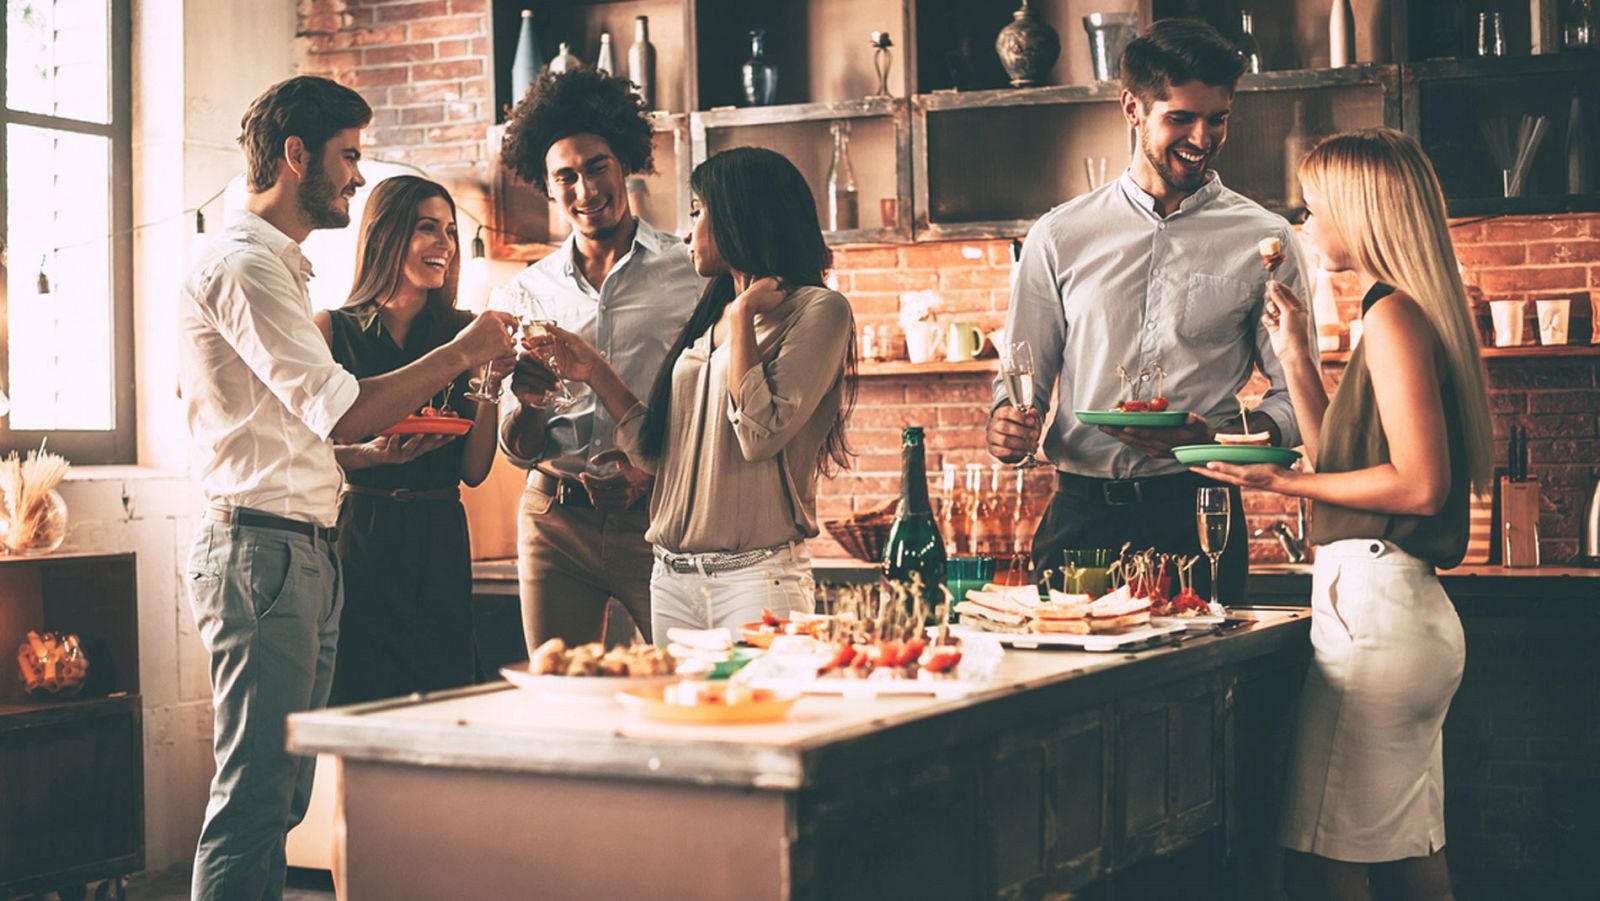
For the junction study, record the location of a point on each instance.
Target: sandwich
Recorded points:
(1117, 611)
(1257, 438)
(999, 608)
(1063, 614)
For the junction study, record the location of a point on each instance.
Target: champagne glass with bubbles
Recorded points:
(1016, 374)
(484, 390)
(534, 321)
(1213, 512)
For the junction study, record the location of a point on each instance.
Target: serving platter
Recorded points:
(766, 706)
(430, 425)
(1199, 623)
(1165, 419)
(1132, 639)
(1201, 454)
(588, 689)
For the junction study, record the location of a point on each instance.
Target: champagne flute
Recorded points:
(1016, 374)
(534, 321)
(1213, 512)
(484, 390)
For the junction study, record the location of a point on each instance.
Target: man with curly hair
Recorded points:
(627, 289)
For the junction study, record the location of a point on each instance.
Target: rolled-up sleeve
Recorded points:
(775, 399)
(629, 438)
(1035, 316)
(1276, 403)
(263, 314)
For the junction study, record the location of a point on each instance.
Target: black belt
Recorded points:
(566, 492)
(238, 516)
(1129, 492)
(452, 493)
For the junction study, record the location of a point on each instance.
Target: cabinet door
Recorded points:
(1169, 753)
(71, 796)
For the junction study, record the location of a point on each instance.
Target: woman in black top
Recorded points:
(407, 622)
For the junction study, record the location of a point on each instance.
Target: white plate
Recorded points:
(1199, 623)
(588, 689)
(1100, 641)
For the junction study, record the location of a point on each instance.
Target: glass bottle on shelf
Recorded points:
(1296, 144)
(843, 205)
(1341, 35)
(760, 75)
(980, 512)
(642, 61)
(1578, 25)
(914, 546)
(1024, 515)
(605, 62)
(1248, 48)
(954, 515)
(527, 62)
(565, 60)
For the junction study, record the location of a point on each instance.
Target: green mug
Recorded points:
(963, 341)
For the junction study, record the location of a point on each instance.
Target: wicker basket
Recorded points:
(862, 539)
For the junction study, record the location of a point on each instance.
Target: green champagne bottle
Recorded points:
(914, 544)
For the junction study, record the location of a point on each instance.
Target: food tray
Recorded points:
(430, 425)
(1200, 623)
(595, 689)
(1133, 639)
(766, 707)
(1201, 454)
(1165, 419)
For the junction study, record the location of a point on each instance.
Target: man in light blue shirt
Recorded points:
(628, 289)
(1159, 267)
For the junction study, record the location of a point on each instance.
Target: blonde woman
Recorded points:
(1397, 451)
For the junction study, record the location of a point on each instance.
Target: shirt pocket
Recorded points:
(1215, 308)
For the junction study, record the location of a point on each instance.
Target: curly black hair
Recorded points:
(580, 101)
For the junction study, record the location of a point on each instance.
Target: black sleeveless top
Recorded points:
(362, 346)
(1353, 438)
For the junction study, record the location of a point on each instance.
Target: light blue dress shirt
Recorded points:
(632, 318)
(1105, 281)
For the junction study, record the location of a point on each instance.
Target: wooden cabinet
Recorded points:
(986, 160)
(72, 769)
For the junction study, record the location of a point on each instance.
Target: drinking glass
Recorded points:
(500, 300)
(534, 321)
(1016, 369)
(1213, 512)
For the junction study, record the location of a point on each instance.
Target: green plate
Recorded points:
(741, 656)
(1166, 419)
(1201, 454)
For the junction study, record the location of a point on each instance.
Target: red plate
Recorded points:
(430, 425)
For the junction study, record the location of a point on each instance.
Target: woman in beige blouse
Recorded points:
(749, 406)
(1397, 451)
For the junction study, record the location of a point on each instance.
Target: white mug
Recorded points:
(1553, 315)
(922, 341)
(1507, 315)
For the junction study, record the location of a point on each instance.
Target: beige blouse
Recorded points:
(738, 471)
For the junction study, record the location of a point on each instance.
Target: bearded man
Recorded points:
(1156, 268)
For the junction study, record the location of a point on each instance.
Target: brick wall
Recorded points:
(422, 64)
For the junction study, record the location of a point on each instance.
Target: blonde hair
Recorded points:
(1384, 203)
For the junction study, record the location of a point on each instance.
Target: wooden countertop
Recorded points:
(499, 727)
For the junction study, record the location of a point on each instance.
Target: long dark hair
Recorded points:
(386, 226)
(764, 221)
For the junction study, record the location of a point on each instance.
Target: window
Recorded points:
(66, 336)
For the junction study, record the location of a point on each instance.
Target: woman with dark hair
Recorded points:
(407, 623)
(749, 406)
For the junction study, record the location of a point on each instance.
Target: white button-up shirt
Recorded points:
(632, 319)
(260, 388)
(1105, 281)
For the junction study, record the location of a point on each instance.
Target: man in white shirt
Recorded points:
(1159, 267)
(263, 398)
(627, 289)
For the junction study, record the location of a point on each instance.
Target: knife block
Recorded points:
(1519, 523)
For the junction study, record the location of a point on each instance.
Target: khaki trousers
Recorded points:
(572, 562)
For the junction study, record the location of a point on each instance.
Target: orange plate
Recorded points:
(766, 706)
(754, 637)
(430, 425)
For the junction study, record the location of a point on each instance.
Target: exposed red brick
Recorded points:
(1564, 251)
(403, 53)
(454, 133)
(410, 12)
(426, 156)
(394, 137)
(467, 6)
(1498, 281)
(445, 71)
(865, 258)
(951, 254)
(446, 28)
(883, 280)
(390, 75)
(374, 37)
(453, 49)
(974, 277)
(1534, 228)
(1477, 256)
(951, 390)
(334, 61)
(410, 95)
(422, 115)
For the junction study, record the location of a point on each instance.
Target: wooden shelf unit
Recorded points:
(1522, 352)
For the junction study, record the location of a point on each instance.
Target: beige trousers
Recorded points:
(571, 562)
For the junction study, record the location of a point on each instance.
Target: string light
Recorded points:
(44, 280)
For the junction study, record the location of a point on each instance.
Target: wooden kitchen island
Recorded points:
(1114, 776)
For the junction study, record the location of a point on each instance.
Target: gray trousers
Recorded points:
(267, 604)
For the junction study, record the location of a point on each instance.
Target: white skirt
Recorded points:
(1366, 777)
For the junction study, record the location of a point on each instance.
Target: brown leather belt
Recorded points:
(453, 493)
(566, 492)
(1130, 492)
(241, 516)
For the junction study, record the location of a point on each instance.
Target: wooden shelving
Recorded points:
(1524, 352)
(878, 368)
